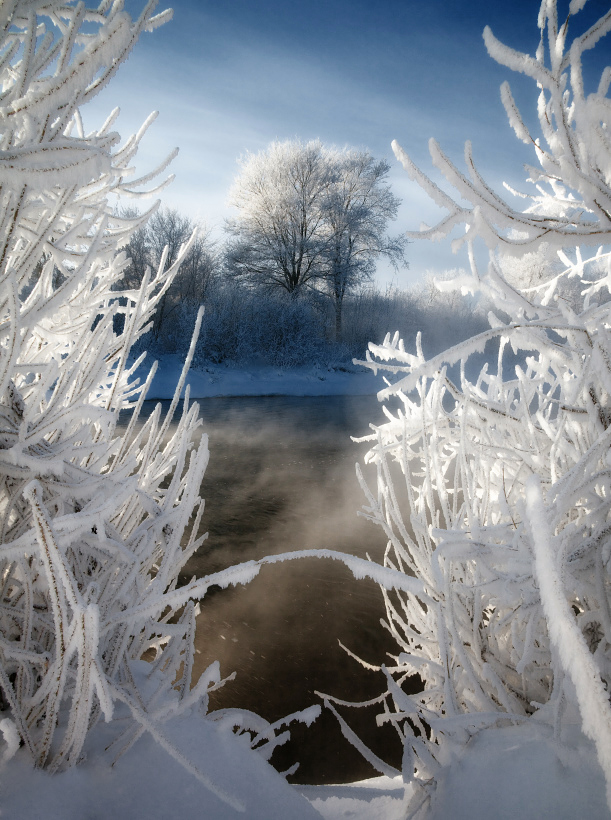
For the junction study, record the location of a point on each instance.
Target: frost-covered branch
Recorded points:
(572, 202)
(518, 579)
(96, 519)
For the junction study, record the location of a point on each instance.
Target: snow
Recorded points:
(518, 772)
(506, 773)
(570, 643)
(384, 576)
(216, 380)
(378, 797)
(148, 783)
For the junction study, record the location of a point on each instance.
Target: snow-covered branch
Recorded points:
(96, 519)
(517, 574)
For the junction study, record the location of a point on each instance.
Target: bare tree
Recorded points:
(311, 217)
(358, 206)
(168, 228)
(278, 238)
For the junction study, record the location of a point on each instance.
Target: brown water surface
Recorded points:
(282, 477)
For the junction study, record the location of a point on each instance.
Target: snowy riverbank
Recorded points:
(218, 380)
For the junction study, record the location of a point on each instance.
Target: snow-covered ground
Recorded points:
(515, 773)
(148, 783)
(217, 380)
(520, 772)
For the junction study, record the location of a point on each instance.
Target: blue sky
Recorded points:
(229, 77)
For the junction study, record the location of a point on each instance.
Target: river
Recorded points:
(282, 477)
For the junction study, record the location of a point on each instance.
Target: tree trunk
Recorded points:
(338, 318)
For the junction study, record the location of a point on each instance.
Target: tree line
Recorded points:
(294, 282)
(245, 324)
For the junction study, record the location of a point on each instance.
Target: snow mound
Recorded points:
(380, 798)
(148, 782)
(513, 773)
(520, 772)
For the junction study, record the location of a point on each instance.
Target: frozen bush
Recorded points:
(494, 490)
(419, 308)
(96, 520)
(246, 327)
(90, 535)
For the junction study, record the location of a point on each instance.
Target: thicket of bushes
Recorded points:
(246, 327)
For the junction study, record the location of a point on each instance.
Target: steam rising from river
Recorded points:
(282, 477)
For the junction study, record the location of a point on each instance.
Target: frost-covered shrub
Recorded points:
(246, 327)
(96, 520)
(90, 537)
(442, 320)
(286, 332)
(494, 491)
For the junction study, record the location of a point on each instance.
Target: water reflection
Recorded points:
(281, 477)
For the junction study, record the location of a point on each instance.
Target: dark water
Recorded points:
(282, 477)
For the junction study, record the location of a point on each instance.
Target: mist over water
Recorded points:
(282, 477)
